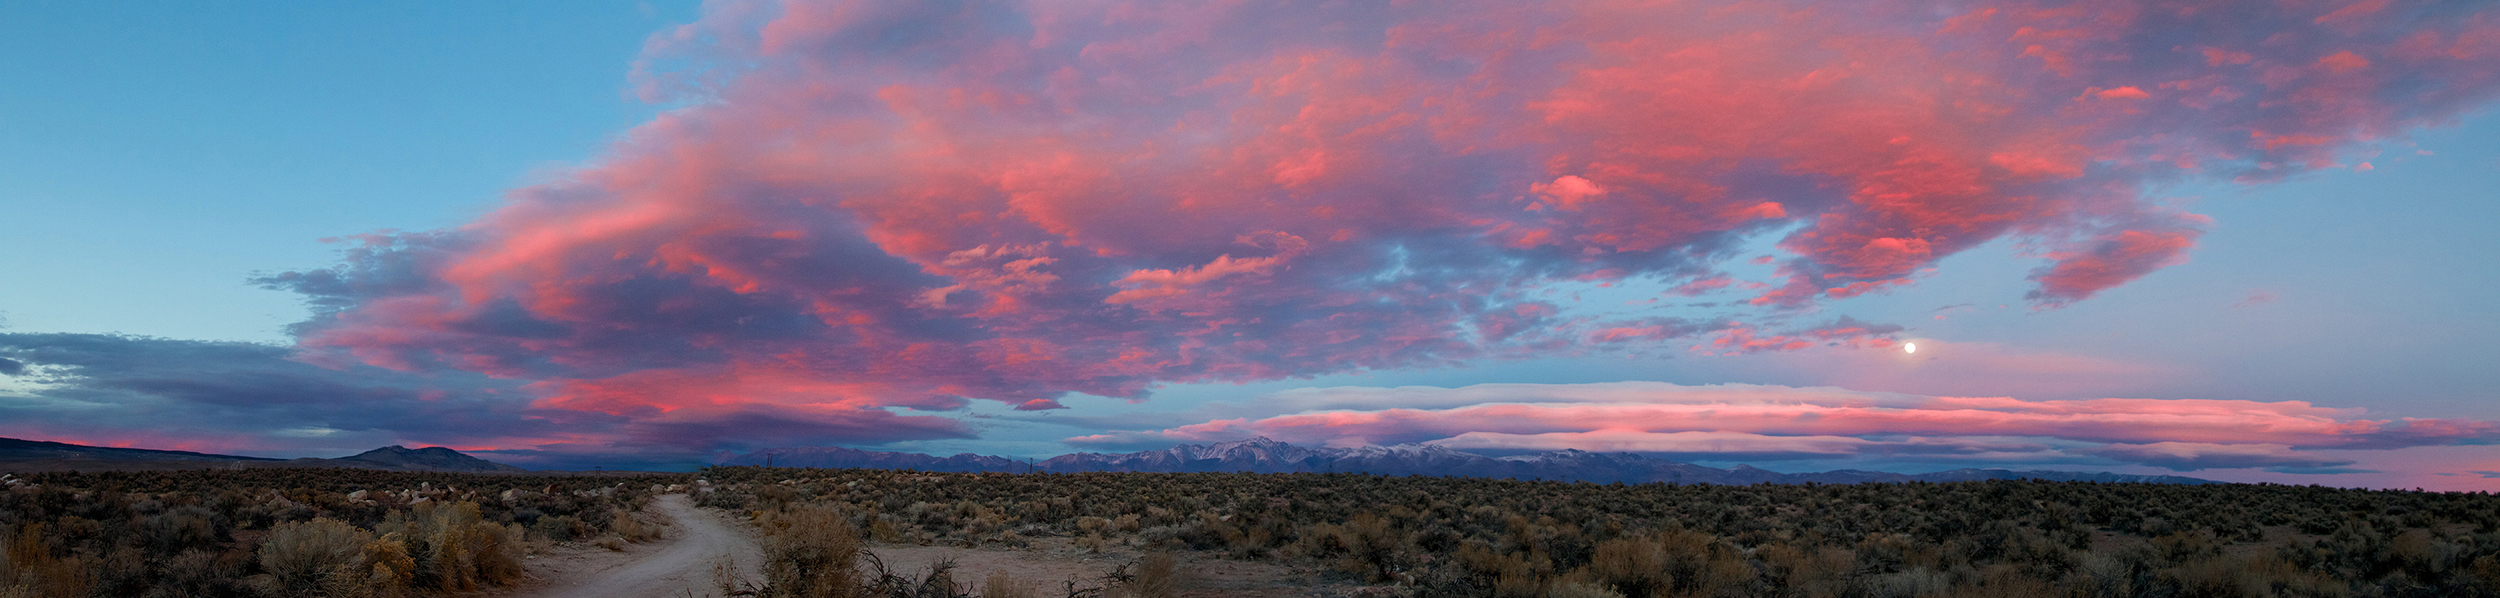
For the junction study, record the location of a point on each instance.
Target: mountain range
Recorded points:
(1262, 455)
(39, 455)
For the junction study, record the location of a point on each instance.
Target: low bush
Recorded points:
(312, 558)
(810, 552)
(1158, 575)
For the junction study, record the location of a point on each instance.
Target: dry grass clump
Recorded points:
(443, 548)
(328, 557)
(305, 558)
(29, 569)
(810, 551)
(1158, 575)
(629, 526)
(1001, 584)
(1631, 567)
(455, 549)
(560, 528)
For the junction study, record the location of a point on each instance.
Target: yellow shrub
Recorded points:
(811, 552)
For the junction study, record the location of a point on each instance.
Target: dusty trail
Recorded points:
(681, 569)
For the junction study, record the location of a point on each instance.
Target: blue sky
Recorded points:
(164, 156)
(171, 149)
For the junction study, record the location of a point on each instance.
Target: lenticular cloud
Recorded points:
(913, 204)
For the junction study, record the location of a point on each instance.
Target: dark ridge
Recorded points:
(12, 449)
(40, 455)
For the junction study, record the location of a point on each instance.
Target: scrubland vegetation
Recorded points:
(340, 533)
(350, 533)
(1480, 537)
(815, 550)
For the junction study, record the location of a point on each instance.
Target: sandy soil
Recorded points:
(682, 565)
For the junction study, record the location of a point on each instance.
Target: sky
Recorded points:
(2234, 240)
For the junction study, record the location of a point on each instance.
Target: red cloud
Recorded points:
(889, 203)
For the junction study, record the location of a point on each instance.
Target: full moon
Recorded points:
(1909, 347)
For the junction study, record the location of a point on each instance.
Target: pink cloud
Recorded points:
(2180, 434)
(2113, 260)
(1728, 444)
(901, 204)
(2122, 93)
(1738, 338)
(1701, 286)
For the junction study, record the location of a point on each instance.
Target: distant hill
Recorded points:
(432, 458)
(38, 455)
(1262, 455)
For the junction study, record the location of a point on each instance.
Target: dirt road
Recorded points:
(681, 568)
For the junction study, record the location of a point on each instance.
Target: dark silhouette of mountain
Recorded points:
(28, 451)
(395, 457)
(39, 455)
(1262, 455)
